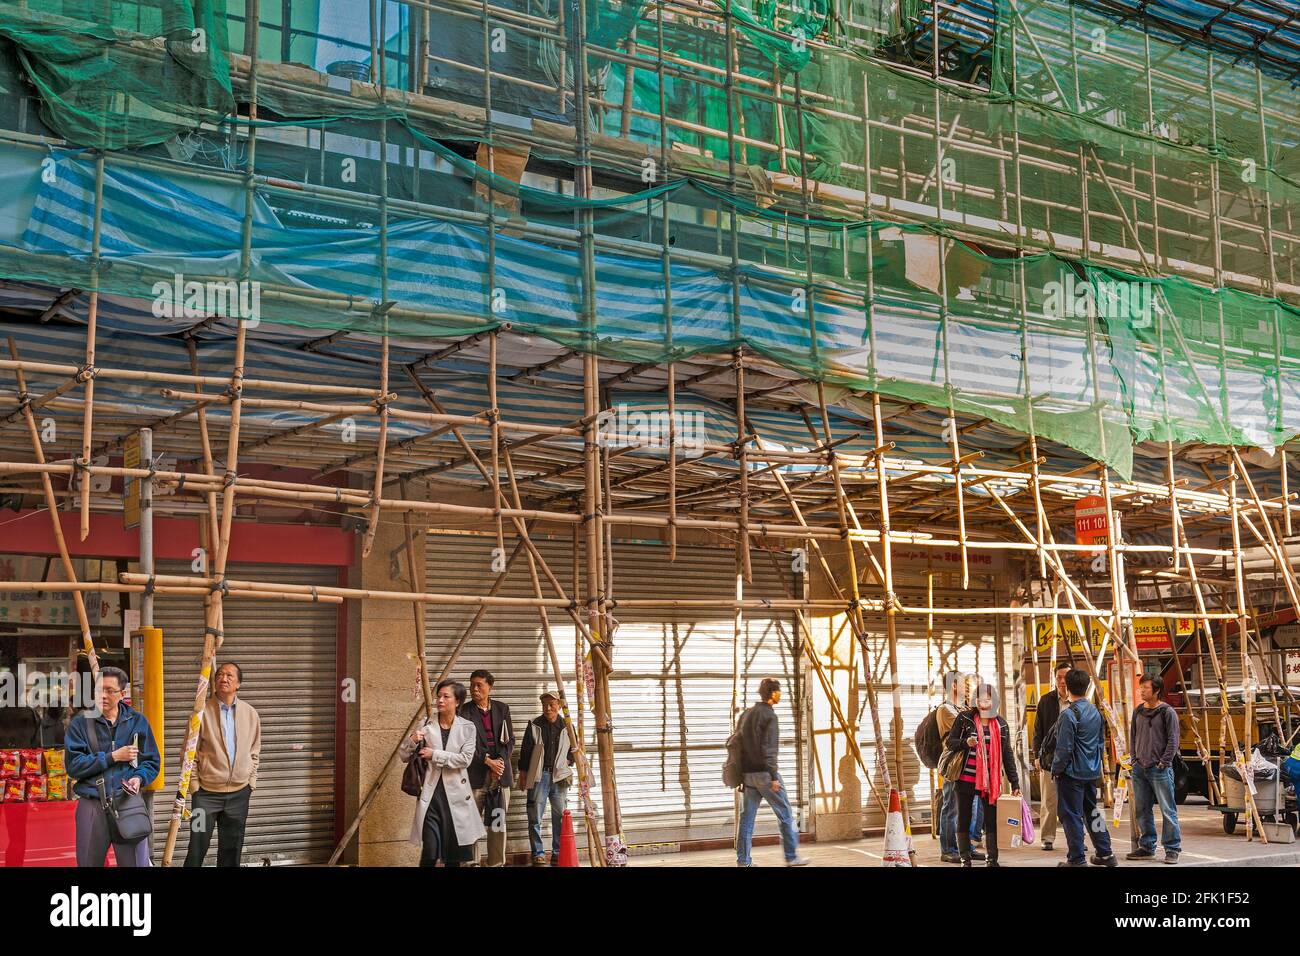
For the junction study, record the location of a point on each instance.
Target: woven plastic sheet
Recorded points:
(1028, 343)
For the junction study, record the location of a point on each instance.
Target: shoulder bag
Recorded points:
(127, 815)
(417, 768)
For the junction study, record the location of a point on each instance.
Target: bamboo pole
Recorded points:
(584, 787)
(88, 371)
(1226, 727)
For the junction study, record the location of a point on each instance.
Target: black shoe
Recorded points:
(1171, 856)
(1110, 860)
(949, 858)
(1072, 863)
(1047, 844)
(976, 855)
(965, 864)
(992, 863)
(1141, 853)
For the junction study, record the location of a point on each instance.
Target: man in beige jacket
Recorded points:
(225, 771)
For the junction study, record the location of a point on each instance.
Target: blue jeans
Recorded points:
(780, 803)
(977, 821)
(1076, 802)
(539, 794)
(948, 818)
(1151, 784)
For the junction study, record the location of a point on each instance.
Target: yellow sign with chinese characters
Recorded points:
(1150, 633)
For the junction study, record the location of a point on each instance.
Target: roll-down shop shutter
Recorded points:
(672, 681)
(964, 643)
(287, 651)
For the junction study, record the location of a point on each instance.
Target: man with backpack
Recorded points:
(1044, 745)
(930, 735)
(758, 739)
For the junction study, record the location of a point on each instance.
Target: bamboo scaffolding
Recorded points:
(56, 526)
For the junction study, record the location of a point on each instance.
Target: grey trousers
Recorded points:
(93, 839)
(496, 830)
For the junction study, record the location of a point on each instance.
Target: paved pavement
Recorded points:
(1204, 844)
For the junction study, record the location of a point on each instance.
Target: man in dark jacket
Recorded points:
(116, 743)
(1154, 739)
(492, 772)
(760, 736)
(1076, 765)
(1045, 716)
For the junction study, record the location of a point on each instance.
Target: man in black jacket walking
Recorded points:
(760, 735)
(490, 774)
(1045, 717)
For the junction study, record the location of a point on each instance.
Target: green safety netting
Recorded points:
(867, 305)
(114, 75)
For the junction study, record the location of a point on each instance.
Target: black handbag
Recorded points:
(125, 811)
(417, 768)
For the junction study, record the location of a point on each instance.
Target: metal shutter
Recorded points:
(966, 643)
(671, 687)
(287, 652)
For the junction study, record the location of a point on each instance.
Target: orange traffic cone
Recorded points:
(897, 843)
(568, 845)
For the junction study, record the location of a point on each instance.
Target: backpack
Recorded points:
(926, 740)
(1047, 752)
(733, 767)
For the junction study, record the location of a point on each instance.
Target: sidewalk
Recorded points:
(1204, 844)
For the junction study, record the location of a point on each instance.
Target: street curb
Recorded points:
(1268, 859)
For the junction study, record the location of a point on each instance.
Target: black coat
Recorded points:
(964, 726)
(504, 732)
(1045, 717)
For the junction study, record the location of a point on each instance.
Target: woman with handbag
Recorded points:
(111, 756)
(985, 739)
(447, 823)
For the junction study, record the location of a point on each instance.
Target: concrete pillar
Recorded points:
(381, 659)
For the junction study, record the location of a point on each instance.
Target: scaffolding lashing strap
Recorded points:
(215, 632)
(221, 586)
(149, 585)
(229, 479)
(86, 373)
(315, 595)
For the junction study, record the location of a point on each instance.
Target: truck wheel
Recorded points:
(1230, 823)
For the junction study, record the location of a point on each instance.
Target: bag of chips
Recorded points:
(10, 764)
(54, 761)
(36, 788)
(56, 787)
(15, 791)
(33, 762)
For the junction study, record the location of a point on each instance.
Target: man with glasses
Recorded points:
(113, 742)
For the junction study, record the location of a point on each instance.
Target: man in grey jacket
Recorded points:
(1154, 737)
(760, 735)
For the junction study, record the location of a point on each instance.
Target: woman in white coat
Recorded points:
(447, 823)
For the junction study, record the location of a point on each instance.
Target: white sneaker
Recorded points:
(797, 861)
